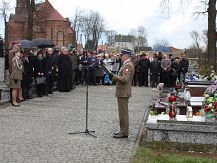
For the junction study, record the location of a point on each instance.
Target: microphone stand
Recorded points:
(86, 131)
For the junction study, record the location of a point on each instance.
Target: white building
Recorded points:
(124, 42)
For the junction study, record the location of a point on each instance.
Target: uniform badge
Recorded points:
(127, 69)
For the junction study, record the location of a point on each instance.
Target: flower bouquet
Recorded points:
(210, 101)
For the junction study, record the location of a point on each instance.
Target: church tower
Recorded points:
(21, 8)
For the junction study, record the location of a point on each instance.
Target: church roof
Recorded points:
(38, 5)
(52, 14)
(55, 15)
(69, 30)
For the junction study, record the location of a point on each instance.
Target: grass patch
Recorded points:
(147, 155)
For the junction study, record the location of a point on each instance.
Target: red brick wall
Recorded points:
(61, 37)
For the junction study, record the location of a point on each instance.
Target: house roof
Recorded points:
(166, 49)
(163, 49)
(102, 47)
(144, 48)
(124, 38)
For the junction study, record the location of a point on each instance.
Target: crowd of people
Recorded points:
(161, 68)
(68, 68)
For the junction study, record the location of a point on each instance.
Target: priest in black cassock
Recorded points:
(64, 79)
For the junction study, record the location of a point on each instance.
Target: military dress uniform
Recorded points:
(16, 73)
(123, 92)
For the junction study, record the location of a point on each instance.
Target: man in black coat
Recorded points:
(49, 69)
(92, 69)
(85, 62)
(28, 74)
(64, 63)
(143, 66)
(183, 65)
(155, 69)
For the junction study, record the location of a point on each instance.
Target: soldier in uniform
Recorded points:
(16, 76)
(15, 47)
(75, 59)
(123, 91)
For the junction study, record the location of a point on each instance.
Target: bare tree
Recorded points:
(133, 32)
(76, 21)
(30, 22)
(140, 37)
(93, 27)
(98, 27)
(196, 44)
(210, 8)
(30, 11)
(193, 51)
(85, 28)
(212, 33)
(161, 42)
(196, 38)
(5, 8)
(110, 34)
(204, 37)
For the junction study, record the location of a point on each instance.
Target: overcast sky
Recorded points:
(123, 15)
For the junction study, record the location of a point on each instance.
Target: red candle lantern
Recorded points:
(172, 98)
(172, 112)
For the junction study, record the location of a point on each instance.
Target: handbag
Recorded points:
(40, 80)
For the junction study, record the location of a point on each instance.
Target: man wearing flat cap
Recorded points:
(123, 92)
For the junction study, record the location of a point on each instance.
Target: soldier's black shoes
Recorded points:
(116, 133)
(119, 135)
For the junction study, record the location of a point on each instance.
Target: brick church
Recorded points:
(47, 23)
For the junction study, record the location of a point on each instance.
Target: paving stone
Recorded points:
(38, 130)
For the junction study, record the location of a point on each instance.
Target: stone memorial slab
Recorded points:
(182, 130)
(4, 87)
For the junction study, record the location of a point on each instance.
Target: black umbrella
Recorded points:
(25, 44)
(43, 43)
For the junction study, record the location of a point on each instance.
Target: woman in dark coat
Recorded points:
(99, 70)
(64, 64)
(39, 71)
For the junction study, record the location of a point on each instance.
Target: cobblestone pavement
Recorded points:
(37, 131)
